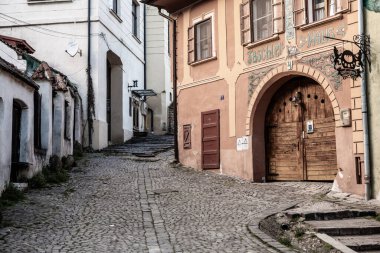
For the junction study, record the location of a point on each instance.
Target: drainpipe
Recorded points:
(174, 22)
(146, 128)
(367, 172)
(89, 79)
(144, 48)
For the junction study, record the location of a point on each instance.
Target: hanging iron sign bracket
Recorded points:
(349, 64)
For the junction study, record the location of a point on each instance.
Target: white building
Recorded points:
(158, 71)
(116, 56)
(40, 112)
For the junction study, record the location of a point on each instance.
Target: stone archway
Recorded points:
(259, 102)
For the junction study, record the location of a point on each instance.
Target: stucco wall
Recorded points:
(372, 18)
(56, 24)
(158, 68)
(12, 88)
(249, 76)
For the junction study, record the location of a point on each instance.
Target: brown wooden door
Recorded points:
(210, 140)
(319, 146)
(284, 128)
(291, 152)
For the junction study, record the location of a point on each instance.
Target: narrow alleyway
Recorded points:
(117, 202)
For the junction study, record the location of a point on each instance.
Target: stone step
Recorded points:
(331, 215)
(361, 242)
(358, 226)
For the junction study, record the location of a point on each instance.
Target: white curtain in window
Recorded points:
(319, 10)
(203, 35)
(332, 7)
(262, 19)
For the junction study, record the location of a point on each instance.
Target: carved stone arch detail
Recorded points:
(281, 71)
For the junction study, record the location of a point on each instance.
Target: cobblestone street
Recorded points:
(130, 204)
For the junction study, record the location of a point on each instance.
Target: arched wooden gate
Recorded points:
(300, 133)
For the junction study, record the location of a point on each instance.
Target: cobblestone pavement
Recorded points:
(129, 204)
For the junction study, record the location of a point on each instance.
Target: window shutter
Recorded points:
(278, 16)
(187, 136)
(245, 22)
(190, 45)
(342, 6)
(299, 12)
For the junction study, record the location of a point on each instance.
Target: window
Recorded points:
(115, 6)
(67, 119)
(135, 19)
(309, 11)
(262, 15)
(130, 107)
(203, 41)
(320, 9)
(261, 19)
(200, 40)
(37, 120)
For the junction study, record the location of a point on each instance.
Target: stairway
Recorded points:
(143, 146)
(358, 230)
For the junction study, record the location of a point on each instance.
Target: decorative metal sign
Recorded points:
(349, 64)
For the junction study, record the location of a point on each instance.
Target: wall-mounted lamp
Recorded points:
(296, 99)
(134, 85)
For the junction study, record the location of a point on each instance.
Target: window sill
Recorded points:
(135, 37)
(116, 16)
(322, 22)
(203, 61)
(260, 42)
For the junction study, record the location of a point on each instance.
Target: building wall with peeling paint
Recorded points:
(49, 26)
(372, 19)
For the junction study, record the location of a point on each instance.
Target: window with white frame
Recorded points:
(262, 15)
(135, 18)
(203, 40)
(261, 19)
(310, 11)
(200, 40)
(320, 9)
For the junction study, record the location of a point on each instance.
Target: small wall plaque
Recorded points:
(310, 127)
(345, 117)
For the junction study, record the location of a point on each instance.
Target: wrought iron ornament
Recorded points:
(349, 64)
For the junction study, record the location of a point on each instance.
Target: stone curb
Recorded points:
(335, 243)
(266, 239)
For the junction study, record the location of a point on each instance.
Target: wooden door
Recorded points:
(16, 140)
(292, 152)
(320, 145)
(16, 132)
(210, 140)
(283, 131)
